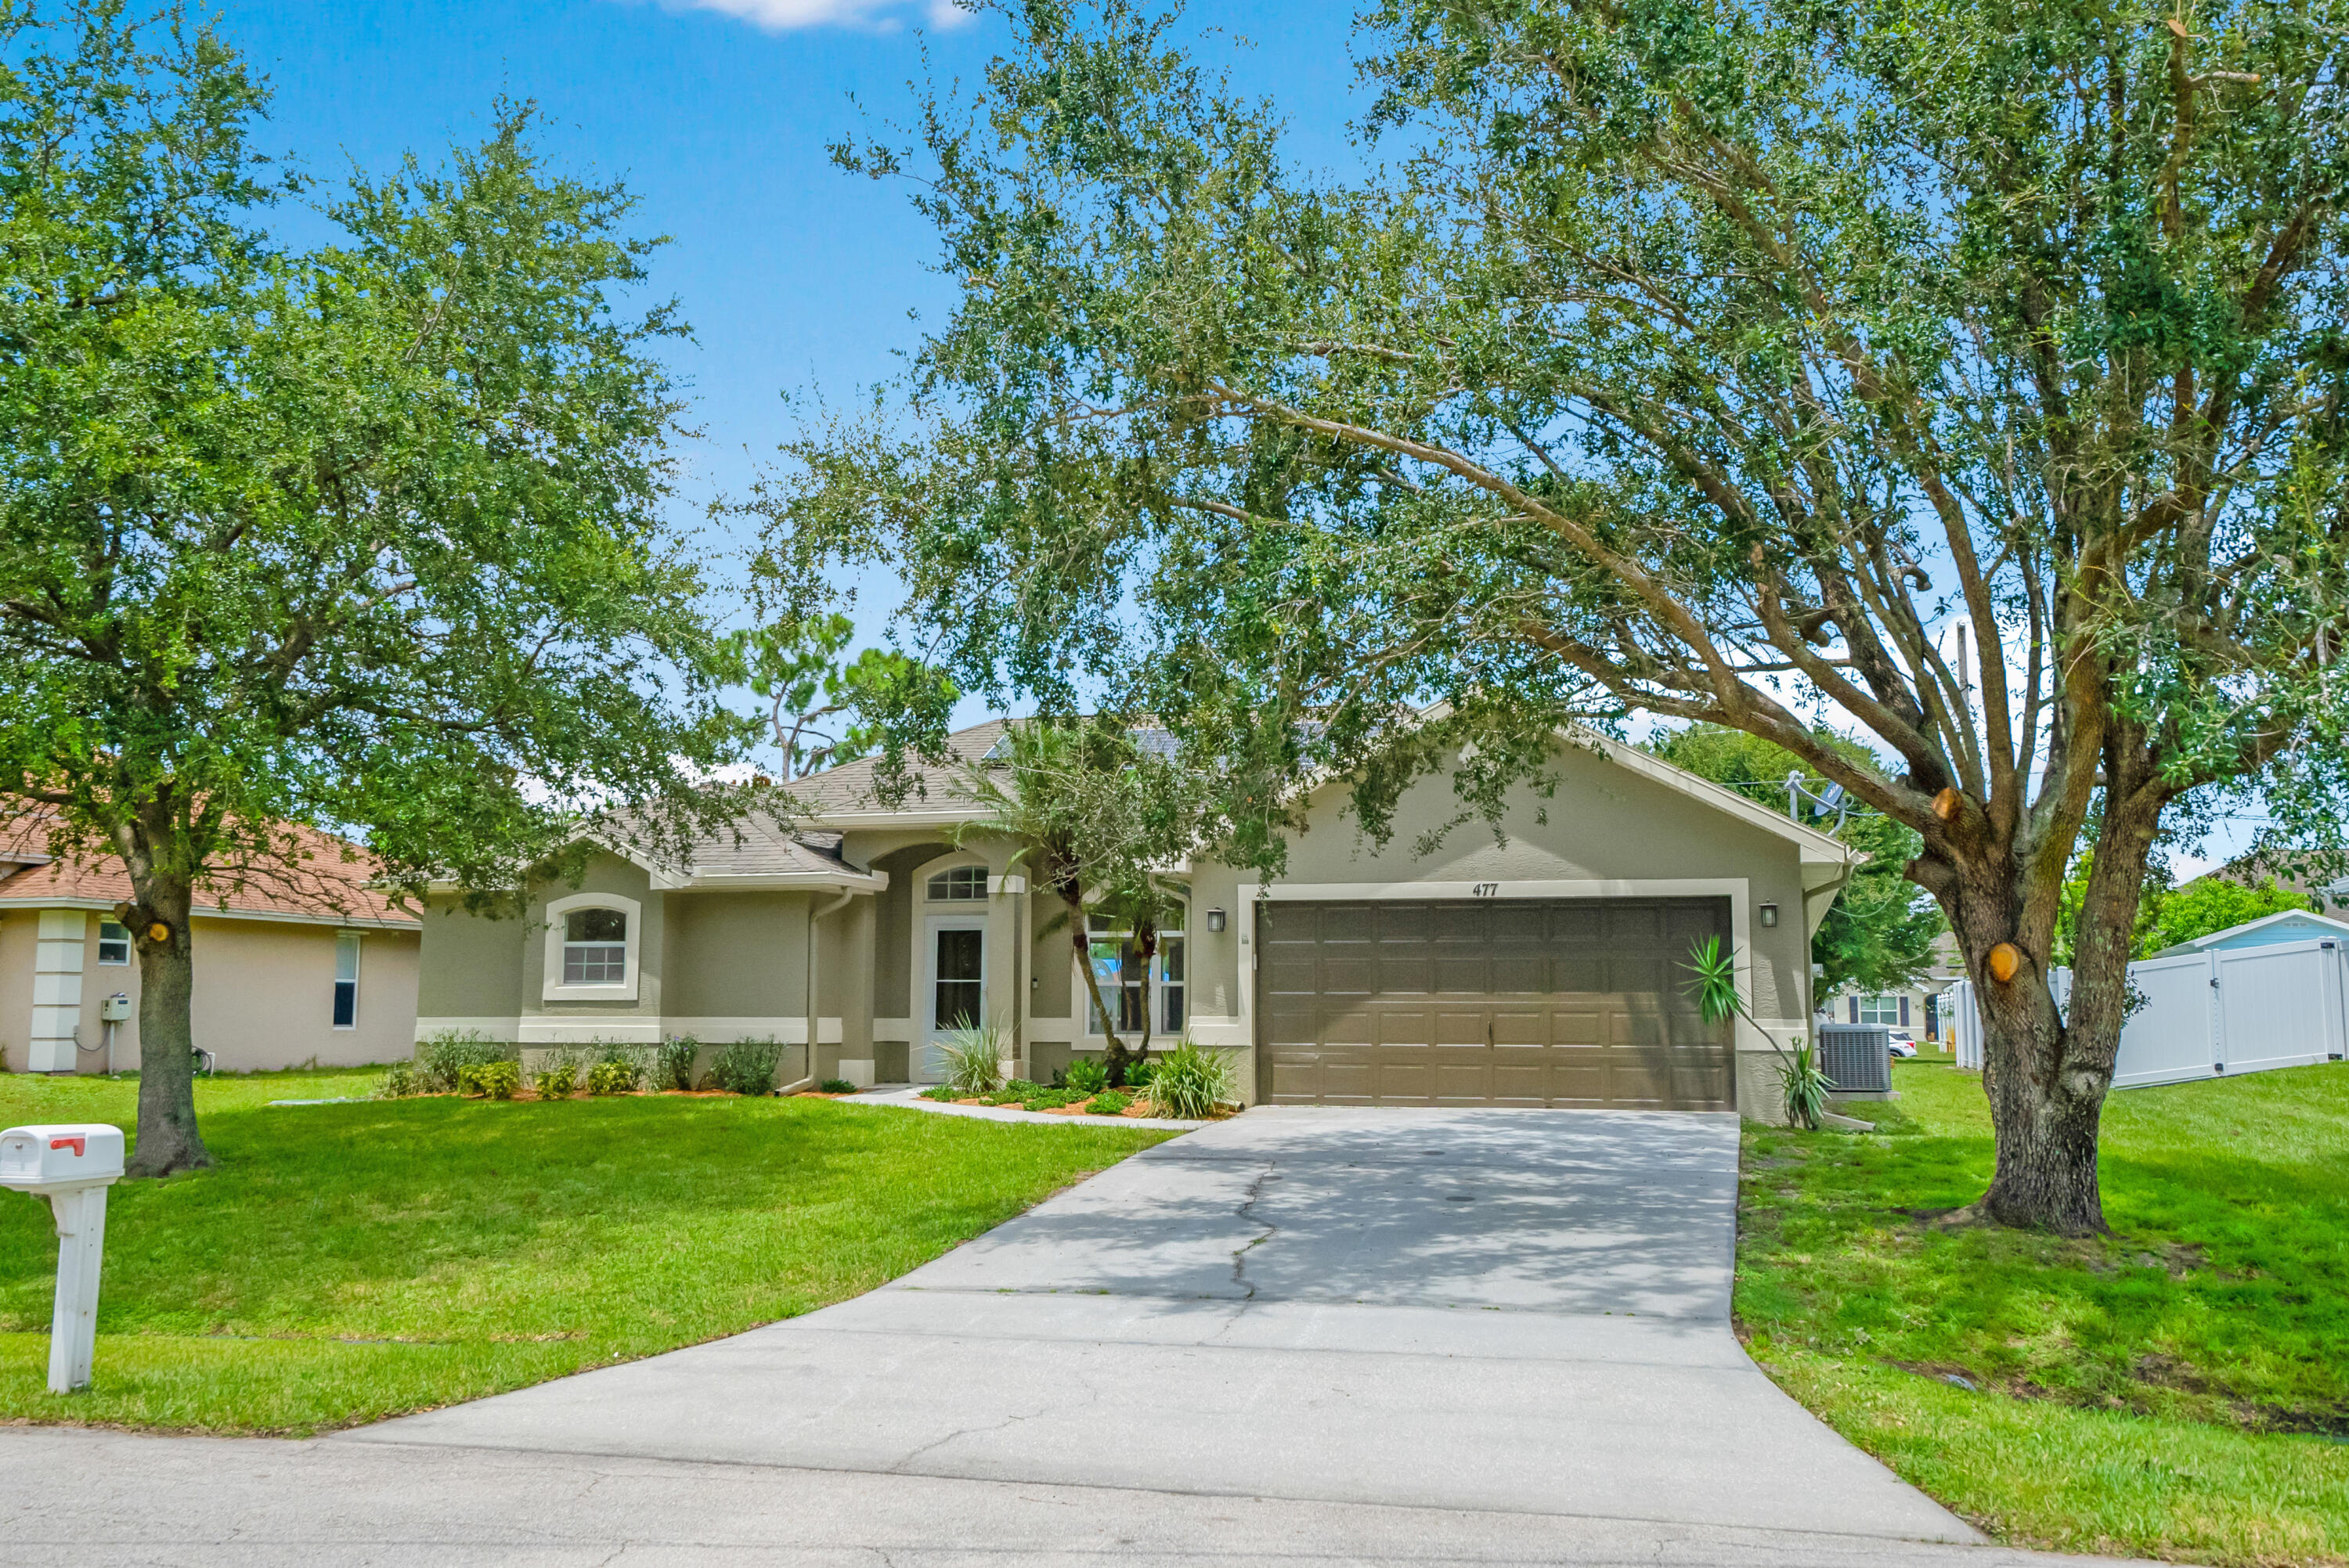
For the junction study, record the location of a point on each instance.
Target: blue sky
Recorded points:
(717, 113)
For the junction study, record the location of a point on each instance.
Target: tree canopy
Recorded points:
(367, 536)
(1719, 361)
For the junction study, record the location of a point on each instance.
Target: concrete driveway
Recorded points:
(1370, 1337)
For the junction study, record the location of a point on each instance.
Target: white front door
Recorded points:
(954, 987)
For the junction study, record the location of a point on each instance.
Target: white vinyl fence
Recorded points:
(2204, 1015)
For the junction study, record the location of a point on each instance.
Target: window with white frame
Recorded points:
(1134, 987)
(962, 884)
(113, 942)
(596, 947)
(347, 979)
(1880, 1010)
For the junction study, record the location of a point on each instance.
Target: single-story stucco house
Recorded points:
(306, 964)
(1543, 968)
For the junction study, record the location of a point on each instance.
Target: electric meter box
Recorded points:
(60, 1156)
(114, 1009)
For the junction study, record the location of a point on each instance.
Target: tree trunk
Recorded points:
(1113, 1058)
(167, 1139)
(2046, 1070)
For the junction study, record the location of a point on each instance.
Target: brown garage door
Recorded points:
(1564, 1001)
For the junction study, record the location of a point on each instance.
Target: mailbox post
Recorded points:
(71, 1165)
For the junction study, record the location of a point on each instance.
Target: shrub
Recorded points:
(1137, 1074)
(945, 1093)
(557, 1079)
(673, 1062)
(837, 1086)
(491, 1080)
(400, 1080)
(747, 1067)
(1087, 1075)
(975, 1059)
(1109, 1102)
(443, 1056)
(1804, 1085)
(1188, 1083)
(614, 1075)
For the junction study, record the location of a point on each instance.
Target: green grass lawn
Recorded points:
(345, 1262)
(2179, 1389)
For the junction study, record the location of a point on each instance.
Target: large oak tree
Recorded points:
(1719, 361)
(365, 536)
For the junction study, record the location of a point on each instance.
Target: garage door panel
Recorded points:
(1582, 923)
(1405, 923)
(1577, 974)
(1463, 974)
(1398, 1027)
(1577, 1026)
(1518, 1026)
(1410, 973)
(1455, 1027)
(1520, 974)
(1560, 1003)
(1519, 922)
(1459, 1084)
(1629, 921)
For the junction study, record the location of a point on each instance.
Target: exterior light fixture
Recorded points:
(1769, 915)
(1215, 920)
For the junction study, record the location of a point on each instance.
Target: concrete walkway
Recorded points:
(1477, 1337)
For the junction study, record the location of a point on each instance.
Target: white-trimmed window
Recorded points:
(958, 884)
(593, 942)
(594, 946)
(1885, 1010)
(113, 942)
(1133, 989)
(347, 979)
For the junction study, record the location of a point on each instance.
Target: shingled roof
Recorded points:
(849, 790)
(327, 882)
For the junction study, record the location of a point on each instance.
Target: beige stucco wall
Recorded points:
(721, 966)
(735, 955)
(471, 966)
(604, 873)
(19, 931)
(264, 999)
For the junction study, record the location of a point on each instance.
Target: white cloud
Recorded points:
(784, 16)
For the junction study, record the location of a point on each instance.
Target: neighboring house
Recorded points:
(309, 963)
(2269, 931)
(1545, 970)
(1916, 1007)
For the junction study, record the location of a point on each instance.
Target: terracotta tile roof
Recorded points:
(328, 882)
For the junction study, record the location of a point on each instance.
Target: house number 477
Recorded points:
(1484, 889)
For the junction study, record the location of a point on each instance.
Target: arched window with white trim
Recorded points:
(958, 884)
(592, 942)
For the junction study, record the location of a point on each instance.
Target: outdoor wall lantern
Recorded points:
(1215, 920)
(1769, 915)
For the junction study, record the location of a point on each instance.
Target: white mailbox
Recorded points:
(70, 1164)
(70, 1154)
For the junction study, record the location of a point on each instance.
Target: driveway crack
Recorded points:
(1248, 1205)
